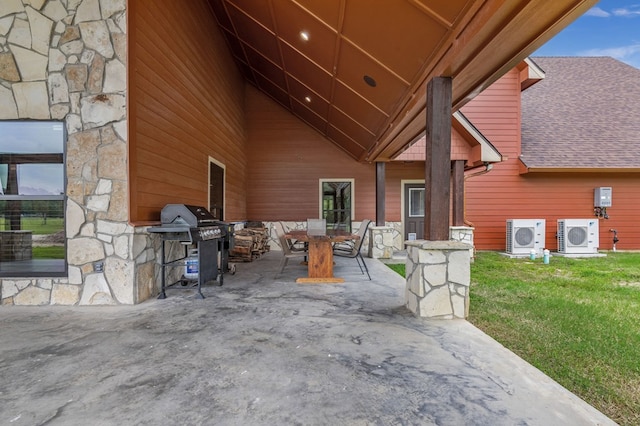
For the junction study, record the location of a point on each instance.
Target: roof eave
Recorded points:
(489, 153)
(496, 42)
(530, 73)
(524, 169)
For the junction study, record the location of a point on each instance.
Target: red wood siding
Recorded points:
(504, 194)
(492, 199)
(287, 158)
(460, 149)
(186, 104)
(395, 173)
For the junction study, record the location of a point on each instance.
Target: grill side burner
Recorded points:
(191, 225)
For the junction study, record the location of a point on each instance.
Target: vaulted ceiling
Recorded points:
(356, 70)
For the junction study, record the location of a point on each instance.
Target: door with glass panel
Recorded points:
(337, 203)
(414, 211)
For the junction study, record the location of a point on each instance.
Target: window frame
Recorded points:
(31, 272)
(352, 211)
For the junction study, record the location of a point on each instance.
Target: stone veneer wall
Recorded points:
(66, 60)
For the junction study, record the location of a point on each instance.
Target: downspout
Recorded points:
(488, 168)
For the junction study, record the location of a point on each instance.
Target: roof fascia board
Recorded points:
(489, 153)
(525, 170)
(530, 74)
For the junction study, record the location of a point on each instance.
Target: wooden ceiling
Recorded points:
(356, 70)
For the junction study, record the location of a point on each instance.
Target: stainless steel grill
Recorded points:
(192, 225)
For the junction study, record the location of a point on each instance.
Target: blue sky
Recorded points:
(610, 28)
(25, 137)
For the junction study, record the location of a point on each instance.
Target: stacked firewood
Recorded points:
(249, 243)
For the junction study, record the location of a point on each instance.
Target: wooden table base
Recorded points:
(320, 258)
(320, 263)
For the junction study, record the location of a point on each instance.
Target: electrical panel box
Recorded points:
(602, 197)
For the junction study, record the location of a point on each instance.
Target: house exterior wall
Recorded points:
(496, 113)
(504, 193)
(76, 72)
(395, 173)
(186, 106)
(287, 159)
(67, 61)
(553, 196)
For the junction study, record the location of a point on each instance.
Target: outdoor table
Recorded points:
(320, 259)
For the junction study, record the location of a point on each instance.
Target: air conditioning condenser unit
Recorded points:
(578, 236)
(524, 235)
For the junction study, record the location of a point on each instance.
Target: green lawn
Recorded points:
(578, 320)
(48, 252)
(37, 225)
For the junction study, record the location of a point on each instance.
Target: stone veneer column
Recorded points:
(464, 234)
(66, 60)
(381, 242)
(438, 278)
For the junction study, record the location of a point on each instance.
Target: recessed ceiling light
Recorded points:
(370, 81)
(304, 36)
(307, 99)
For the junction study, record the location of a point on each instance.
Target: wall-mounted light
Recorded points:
(307, 99)
(304, 36)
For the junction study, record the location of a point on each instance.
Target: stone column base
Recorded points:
(381, 242)
(464, 234)
(438, 278)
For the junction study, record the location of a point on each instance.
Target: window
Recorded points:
(32, 200)
(337, 203)
(416, 202)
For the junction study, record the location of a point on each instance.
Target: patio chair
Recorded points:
(352, 248)
(289, 251)
(294, 245)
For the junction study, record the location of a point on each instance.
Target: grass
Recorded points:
(48, 252)
(577, 320)
(398, 267)
(37, 226)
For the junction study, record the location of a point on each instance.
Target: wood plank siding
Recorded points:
(504, 193)
(288, 158)
(396, 173)
(186, 105)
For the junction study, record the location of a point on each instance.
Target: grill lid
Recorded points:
(186, 215)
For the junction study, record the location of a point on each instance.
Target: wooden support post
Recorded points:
(438, 159)
(457, 171)
(380, 193)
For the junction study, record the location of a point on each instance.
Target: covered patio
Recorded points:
(265, 351)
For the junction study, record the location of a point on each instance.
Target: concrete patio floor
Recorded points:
(261, 351)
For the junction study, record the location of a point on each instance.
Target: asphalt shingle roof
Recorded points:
(585, 113)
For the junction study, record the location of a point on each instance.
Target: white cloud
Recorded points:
(627, 54)
(597, 12)
(626, 12)
(615, 52)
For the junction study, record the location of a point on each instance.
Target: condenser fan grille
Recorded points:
(524, 237)
(577, 236)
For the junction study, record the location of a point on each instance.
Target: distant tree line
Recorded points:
(39, 208)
